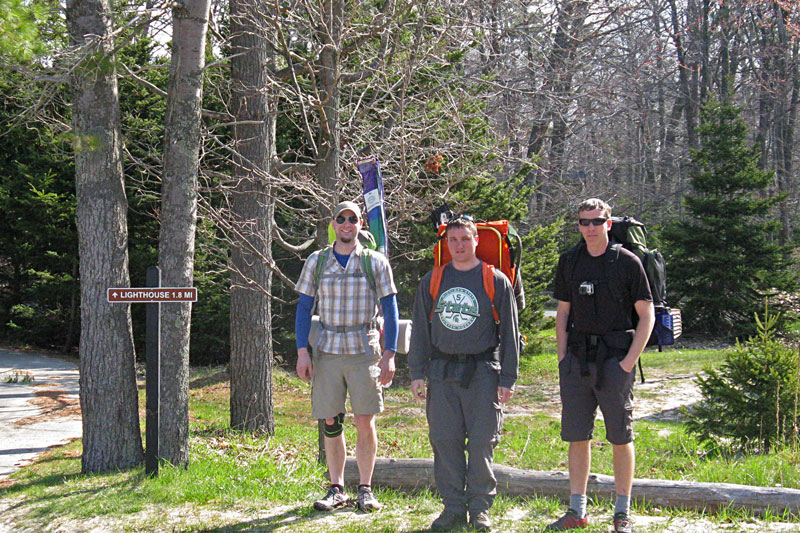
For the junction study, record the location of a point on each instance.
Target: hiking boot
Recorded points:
(480, 522)
(623, 523)
(570, 520)
(366, 500)
(449, 521)
(334, 499)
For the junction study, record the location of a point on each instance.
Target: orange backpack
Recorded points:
(495, 249)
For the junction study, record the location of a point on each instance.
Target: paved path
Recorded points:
(38, 415)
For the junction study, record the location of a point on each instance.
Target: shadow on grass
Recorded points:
(46, 481)
(675, 416)
(55, 480)
(292, 517)
(288, 518)
(216, 378)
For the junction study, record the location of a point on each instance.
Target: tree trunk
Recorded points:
(72, 316)
(409, 474)
(688, 93)
(252, 213)
(178, 220)
(556, 98)
(111, 436)
(330, 35)
(786, 111)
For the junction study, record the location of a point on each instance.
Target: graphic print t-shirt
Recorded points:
(463, 323)
(462, 314)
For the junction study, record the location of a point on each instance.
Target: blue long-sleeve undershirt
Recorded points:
(391, 317)
(302, 321)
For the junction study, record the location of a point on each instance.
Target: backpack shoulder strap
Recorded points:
(613, 273)
(436, 282)
(488, 285)
(572, 258)
(322, 260)
(366, 267)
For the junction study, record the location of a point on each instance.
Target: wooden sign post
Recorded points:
(153, 295)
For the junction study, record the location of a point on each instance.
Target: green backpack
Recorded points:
(632, 235)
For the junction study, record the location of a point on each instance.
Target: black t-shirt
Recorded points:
(600, 312)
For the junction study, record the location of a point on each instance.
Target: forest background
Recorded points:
(502, 109)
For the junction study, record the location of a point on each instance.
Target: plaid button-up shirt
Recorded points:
(345, 298)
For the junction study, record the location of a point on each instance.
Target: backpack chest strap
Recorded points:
(342, 275)
(345, 329)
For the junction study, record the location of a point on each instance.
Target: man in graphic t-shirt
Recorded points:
(470, 362)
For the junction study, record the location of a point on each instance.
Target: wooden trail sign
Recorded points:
(153, 295)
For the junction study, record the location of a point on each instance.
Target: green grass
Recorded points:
(678, 361)
(238, 482)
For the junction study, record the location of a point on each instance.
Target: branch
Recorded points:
(276, 235)
(284, 167)
(162, 93)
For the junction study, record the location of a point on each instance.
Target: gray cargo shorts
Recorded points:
(580, 398)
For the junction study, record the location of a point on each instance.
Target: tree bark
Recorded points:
(785, 112)
(178, 220)
(418, 473)
(555, 100)
(327, 74)
(688, 93)
(252, 212)
(111, 436)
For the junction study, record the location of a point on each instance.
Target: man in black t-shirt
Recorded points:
(599, 287)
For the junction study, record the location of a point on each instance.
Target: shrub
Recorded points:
(751, 402)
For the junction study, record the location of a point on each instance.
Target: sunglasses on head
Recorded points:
(467, 218)
(353, 219)
(593, 221)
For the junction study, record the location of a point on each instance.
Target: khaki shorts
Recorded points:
(335, 375)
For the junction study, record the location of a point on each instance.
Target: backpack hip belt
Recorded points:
(471, 360)
(590, 348)
(364, 329)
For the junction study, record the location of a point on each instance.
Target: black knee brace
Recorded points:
(334, 430)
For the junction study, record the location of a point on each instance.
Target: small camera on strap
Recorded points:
(586, 288)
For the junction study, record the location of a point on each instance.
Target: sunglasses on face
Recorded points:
(353, 219)
(592, 221)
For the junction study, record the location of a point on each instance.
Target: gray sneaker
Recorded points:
(367, 501)
(623, 523)
(448, 521)
(334, 499)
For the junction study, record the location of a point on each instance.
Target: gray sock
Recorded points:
(577, 502)
(623, 504)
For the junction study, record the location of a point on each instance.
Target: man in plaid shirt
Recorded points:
(347, 356)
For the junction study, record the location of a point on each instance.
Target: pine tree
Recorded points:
(723, 258)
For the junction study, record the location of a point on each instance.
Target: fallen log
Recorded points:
(409, 474)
